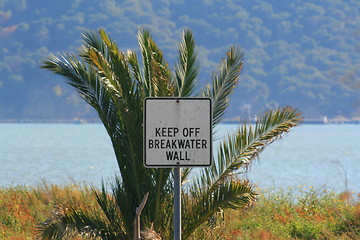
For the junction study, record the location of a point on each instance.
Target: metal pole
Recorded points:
(177, 203)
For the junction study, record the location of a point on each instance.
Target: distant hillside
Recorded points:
(302, 53)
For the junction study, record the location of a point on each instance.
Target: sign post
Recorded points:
(177, 203)
(177, 133)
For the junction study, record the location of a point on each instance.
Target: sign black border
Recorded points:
(144, 132)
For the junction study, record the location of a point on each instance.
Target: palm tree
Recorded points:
(115, 84)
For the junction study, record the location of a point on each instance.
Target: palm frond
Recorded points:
(116, 72)
(202, 204)
(92, 40)
(125, 202)
(70, 221)
(238, 150)
(87, 83)
(185, 173)
(90, 81)
(187, 69)
(109, 208)
(111, 65)
(157, 75)
(163, 190)
(136, 72)
(224, 83)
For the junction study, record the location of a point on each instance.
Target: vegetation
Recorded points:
(294, 213)
(302, 53)
(115, 84)
(22, 208)
(279, 214)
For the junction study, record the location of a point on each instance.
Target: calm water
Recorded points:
(322, 156)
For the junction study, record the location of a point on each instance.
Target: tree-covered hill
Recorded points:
(302, 53)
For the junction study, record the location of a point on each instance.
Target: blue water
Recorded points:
(319, 156)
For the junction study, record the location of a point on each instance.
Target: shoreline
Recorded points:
(225, 121)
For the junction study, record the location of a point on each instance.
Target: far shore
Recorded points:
(235, 120)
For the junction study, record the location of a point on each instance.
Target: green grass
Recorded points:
(294, 213)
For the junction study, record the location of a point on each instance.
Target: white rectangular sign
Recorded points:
(177, 132)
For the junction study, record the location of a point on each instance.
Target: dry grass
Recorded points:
(297, 213)
(22, 208)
